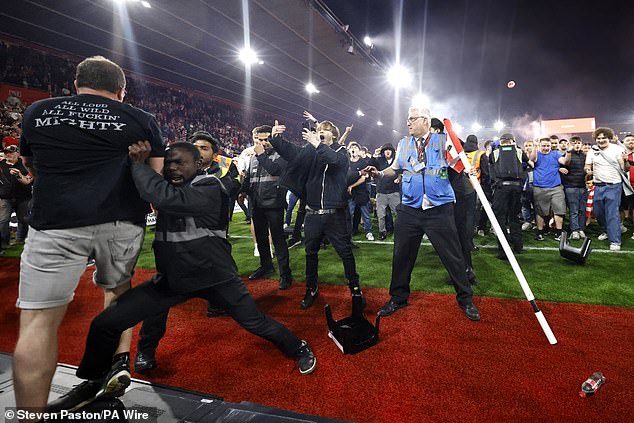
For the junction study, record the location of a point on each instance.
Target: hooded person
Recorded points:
(388, 189)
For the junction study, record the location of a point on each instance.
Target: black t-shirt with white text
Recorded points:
(360, 193)
(79, 150)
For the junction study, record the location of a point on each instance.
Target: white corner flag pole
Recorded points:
(507, 249)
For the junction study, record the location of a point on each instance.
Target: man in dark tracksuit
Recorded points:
(154, 327)
(317, 173)
(268, 200)
(193, 259)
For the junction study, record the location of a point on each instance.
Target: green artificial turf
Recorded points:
(606, 278)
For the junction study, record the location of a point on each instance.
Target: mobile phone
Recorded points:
(309, 125)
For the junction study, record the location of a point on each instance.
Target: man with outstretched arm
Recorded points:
(427, 208)
(193, 260)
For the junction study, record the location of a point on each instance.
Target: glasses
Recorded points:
(414, 119)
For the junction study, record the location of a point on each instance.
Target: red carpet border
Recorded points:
(430, 365)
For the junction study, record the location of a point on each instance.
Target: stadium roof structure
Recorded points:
(195, 44)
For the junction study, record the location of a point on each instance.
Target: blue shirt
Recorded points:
(546, 173)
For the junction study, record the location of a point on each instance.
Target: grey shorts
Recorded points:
(54, 259)
(549, 199)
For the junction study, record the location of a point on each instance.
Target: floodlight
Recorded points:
(476, 126)
(360, 113)
(379, 123)
(248, 56)
(146, 4)
(310, 87)
(399, 76)
(367, 41)
(499, 125)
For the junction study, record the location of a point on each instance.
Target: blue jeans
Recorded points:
(576, 199)
(292, 200)
(607, 200)
(365, 213)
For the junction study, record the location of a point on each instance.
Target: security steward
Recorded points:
(268, 199)
(507, 166)
(427, 207)
(193, 260)
(153, 328)
(317, 172)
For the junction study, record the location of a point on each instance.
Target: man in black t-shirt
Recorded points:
(85, 204)
(358, 189)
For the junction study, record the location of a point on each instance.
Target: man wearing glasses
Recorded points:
(427, 208)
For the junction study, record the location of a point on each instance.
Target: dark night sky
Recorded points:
(568, 58)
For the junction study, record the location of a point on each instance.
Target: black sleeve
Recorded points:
(155, 138)
(284, 148)
(274, 167)
(187, 200)
(329, 156)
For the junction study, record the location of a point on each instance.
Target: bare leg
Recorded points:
(559, 222)
(109, 295)
(540, 222)
(35, 356)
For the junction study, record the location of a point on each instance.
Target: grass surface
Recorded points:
(606, 278)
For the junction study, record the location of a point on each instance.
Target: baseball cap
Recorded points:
(507, 137)
(11, 149)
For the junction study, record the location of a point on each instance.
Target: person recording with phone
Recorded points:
(317, 173)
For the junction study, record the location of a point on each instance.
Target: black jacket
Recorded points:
(10, 187)
(190, 246)
(262, 182)
(385, 185)
(576, 174)
(317, 175)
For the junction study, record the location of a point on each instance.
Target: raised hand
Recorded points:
(277, 129)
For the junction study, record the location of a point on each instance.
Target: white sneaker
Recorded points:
(285, 226)
(256, 253)
(582, 234)
(526, 226)
(575, 235)
(623, 228)
(603, 236)
(369, 236)
(425, 237)
(480, 232)
(615, 247)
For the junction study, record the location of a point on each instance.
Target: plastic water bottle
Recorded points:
(592, 385)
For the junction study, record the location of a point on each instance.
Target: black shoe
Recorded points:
(145, 360)
(213, 311)
(356, 294)
(382, 236)
(80, 395)
(309, 298)
(539, 237)
(390, 308)
(306, 360)
(293, 242)
(557, 237)
(118, 379)
(471, 311)
(285, 282)
(261, 272)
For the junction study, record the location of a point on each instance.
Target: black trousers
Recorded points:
(439, 225)
(299, 219)
(273, 219)
(464, 216)
(335, 228)
(150, 299)
(507, 206)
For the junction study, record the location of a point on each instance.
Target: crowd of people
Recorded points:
(193, 180)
